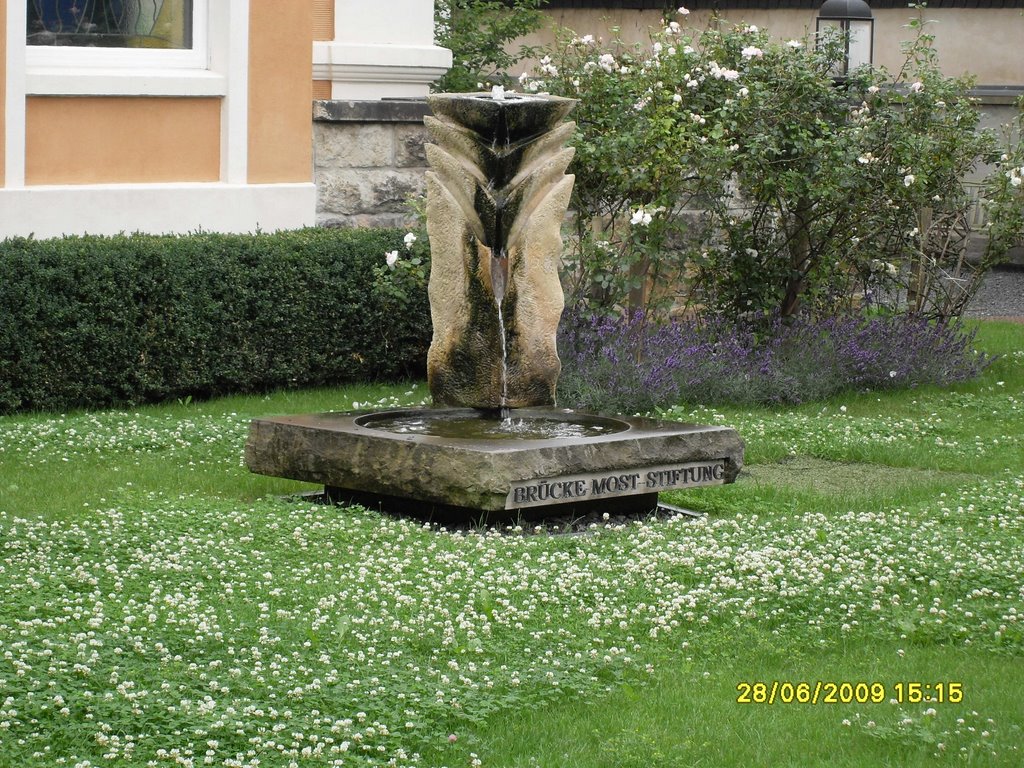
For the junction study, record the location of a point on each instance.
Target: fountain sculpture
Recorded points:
(494, 445)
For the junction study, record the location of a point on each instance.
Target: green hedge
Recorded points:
(100, 321)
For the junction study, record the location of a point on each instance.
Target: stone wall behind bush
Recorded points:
(368, 159)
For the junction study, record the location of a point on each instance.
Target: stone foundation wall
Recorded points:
(368, 159)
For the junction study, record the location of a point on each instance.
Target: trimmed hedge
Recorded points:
(101, 321)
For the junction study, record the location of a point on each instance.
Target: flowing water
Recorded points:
(481, 425)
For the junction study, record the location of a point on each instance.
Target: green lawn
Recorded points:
(165, 607)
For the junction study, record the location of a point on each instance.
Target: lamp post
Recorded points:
(853, 20)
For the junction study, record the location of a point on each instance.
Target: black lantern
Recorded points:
(853, 20)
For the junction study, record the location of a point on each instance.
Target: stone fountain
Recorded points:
(494, 445)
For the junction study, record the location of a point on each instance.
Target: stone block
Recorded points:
(362, 220)
(388, 191)
(339, 193)
(347, 191)
(409, 151)
(354, 145)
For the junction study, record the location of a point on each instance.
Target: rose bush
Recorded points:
(740, 164)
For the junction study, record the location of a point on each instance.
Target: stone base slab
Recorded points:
(500, 477)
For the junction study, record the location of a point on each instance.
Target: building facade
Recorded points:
(173, 116)
(183, 115)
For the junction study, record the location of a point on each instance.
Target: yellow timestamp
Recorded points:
(862, 692)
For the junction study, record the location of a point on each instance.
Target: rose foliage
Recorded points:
(739, 167)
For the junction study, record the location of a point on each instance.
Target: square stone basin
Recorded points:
(445, 462)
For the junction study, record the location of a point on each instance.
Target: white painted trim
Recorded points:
(379, 71)
(14, 100)
(229, 58)
(43, 56)
(122, 82)
(108, 209)
(326, 53)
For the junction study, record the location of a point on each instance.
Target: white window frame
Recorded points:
(84, 71)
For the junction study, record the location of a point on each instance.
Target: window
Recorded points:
(154, 24)
(123, 47)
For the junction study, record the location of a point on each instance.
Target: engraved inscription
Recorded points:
(606, 485)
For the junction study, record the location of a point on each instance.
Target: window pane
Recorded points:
(111, 23)
(860, 43)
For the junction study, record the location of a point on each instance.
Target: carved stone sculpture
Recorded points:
(496, 198)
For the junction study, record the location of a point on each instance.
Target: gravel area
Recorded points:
(1000, 295)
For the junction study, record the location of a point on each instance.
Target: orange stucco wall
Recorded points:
(97, 140)
(323, 29)
(323, 19)
(280, 91)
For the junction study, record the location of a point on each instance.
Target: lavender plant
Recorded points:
(628, 365)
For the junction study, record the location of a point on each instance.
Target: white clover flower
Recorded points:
(743, 92)
(908, 180)
(409, 239)
(391, 257)
(752, 52)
